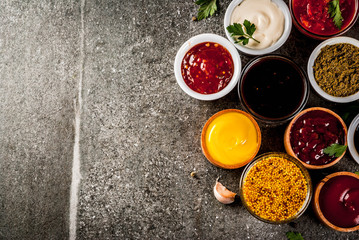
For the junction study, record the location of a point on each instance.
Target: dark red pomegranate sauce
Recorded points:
(207, 68)
(313, 15)
(312, 132)
(339, 201)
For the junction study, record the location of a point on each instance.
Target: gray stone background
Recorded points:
(140, 134)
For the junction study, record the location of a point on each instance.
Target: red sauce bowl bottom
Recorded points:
(311, 17)
(336, 201)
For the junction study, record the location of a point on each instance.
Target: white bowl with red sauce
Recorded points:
(336, 200)
(353, 138)
(256, 52)
(207, 67)
(311, 17)
(310, 71)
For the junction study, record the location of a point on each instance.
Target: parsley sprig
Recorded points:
(241, 36)
(335, 149)
(207, 8)
(294, 236)
(335, 13)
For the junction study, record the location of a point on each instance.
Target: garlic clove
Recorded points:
(223, 194)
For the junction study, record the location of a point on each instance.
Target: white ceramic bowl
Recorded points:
(208, 37)
(286, 32)
(311, 77)
(350, 138)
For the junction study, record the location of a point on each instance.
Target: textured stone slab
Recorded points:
(141, 133)
(39, 47)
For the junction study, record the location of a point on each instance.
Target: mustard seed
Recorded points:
(275, 189)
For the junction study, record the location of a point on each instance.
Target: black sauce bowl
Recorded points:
(273, 88)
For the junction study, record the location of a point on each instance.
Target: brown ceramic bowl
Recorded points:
(256, 135)
(287, 137)
(316, 202)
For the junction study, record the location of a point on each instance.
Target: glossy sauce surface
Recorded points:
(356, 138)
(272, 88)
(339, 201)
(266, 16)
(312, 132)
(231, 138)
(313, 15)
(207, 68)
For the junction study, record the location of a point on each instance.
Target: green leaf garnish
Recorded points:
(357, 173)
(207, 8)
(241, 36)
(349, 112)
(294, 236)
(335, 13)
(335, 149)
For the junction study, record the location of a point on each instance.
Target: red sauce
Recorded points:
(313, 15)
(207, 68)
(339, 201)
(312, 132)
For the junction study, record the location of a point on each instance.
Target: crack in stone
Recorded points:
(76, 164)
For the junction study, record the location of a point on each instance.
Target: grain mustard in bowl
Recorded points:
(207, 67)
(271, 18)
(332, 69)
(310, 132)
(230, 139)
(312, 17)
(336, 201)
(275, 188)
(353, 138)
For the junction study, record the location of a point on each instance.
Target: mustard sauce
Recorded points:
(232, 139)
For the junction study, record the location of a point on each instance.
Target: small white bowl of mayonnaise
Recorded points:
(271, 18)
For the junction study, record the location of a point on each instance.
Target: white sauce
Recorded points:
(266, 16)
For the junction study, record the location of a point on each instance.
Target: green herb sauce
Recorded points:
(336, 69)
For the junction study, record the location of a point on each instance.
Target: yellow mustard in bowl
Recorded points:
(230, 139)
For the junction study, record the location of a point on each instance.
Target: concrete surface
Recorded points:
(38, 78)
(139, 136)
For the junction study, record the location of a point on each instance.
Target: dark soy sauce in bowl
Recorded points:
(273, 88)
(356, 139)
